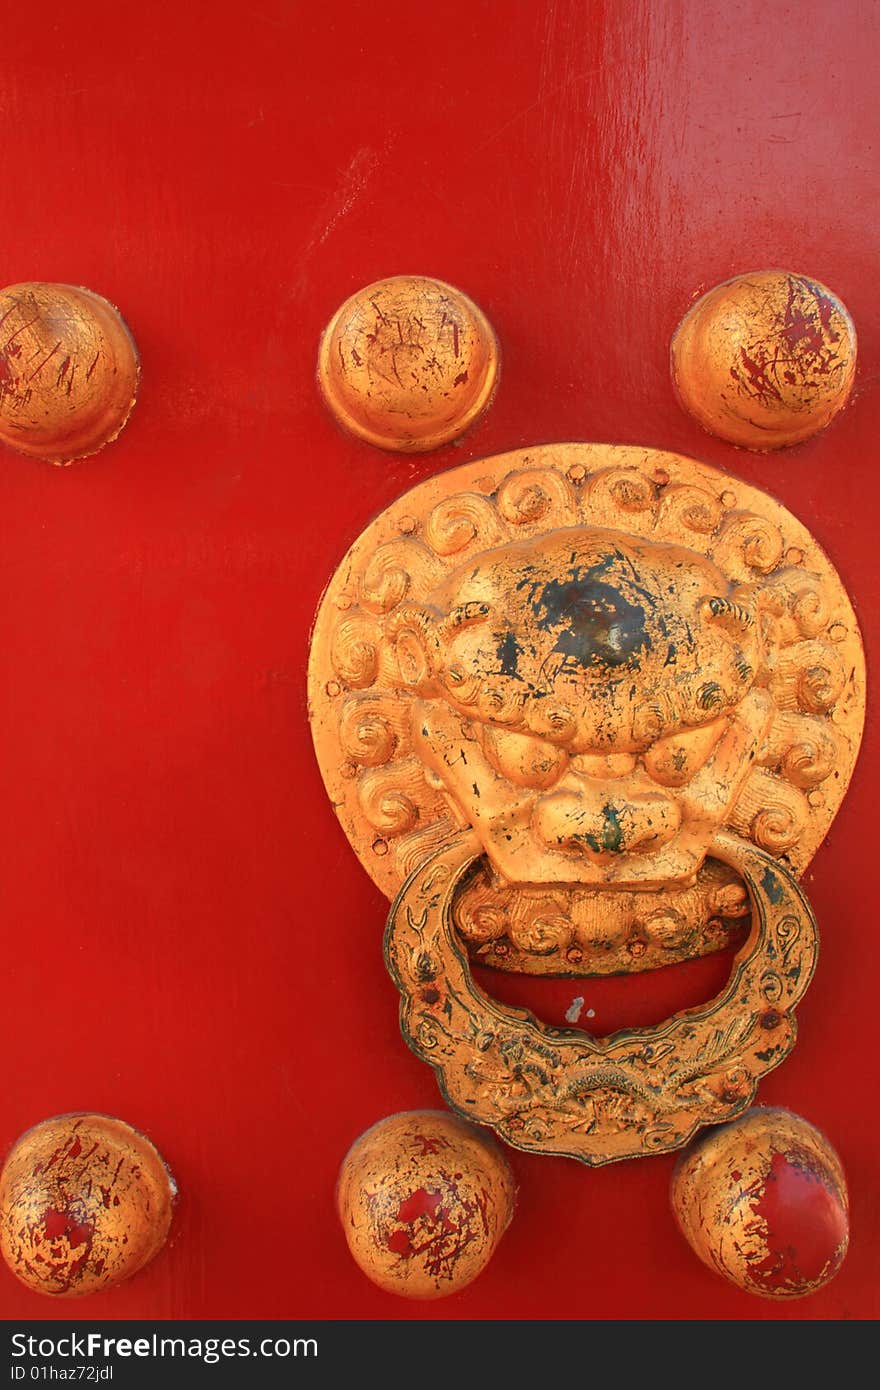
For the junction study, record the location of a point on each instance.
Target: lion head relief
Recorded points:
(596, 657)
(589, 703)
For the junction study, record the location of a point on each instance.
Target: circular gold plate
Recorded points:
(397, 812)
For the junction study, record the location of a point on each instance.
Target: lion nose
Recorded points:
(597, 821)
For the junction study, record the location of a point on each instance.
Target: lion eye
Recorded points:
(530, 761)
(462, 686)
(674, 760)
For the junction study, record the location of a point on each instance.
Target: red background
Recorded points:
(188, 940)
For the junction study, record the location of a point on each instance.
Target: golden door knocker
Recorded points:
(584, 709)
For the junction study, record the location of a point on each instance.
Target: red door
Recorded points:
(189, 942)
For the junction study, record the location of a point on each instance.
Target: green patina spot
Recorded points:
(772, 887)
(611, 839)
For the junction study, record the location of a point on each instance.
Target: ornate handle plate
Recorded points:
(584, 709)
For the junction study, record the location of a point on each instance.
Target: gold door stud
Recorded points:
(69, 371)
(408, 363)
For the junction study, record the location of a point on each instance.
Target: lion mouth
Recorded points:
(576, 929)
(629, 820)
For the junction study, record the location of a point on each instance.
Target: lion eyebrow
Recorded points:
(462, 616)
(729, 614)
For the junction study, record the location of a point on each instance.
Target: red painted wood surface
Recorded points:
(188, 941)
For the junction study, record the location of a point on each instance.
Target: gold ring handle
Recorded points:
(639, 1091)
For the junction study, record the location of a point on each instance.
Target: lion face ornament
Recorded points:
(566, 712)
(585, 709)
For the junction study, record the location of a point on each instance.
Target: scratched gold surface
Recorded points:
(69, 371)
(424, 1199)
(408, 363)
(765, 360)
(85, 1202)
(763, 1202)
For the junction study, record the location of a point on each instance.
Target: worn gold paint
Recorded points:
(765, 360)
(408, 363)
(404, 679)
(424, 1199)
(85, 1202)
(720, 1191)
(69, 371)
